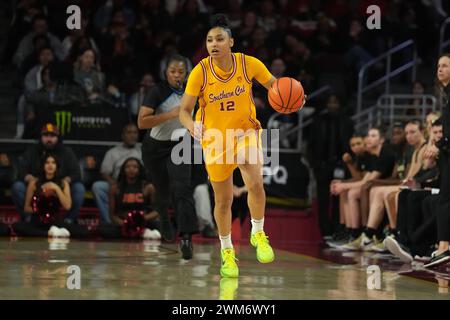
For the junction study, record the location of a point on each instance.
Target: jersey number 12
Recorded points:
(229, 106)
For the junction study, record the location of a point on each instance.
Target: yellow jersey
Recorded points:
(226, 104)
(225, 98)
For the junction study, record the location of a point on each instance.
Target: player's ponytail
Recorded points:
(220, 21)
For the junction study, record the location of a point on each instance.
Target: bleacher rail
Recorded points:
(363, 88)
(393, 107)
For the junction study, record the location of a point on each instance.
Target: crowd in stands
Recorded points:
(382, 189)
(48, 191)
(123, 45)
(387, 198)
(383, 198)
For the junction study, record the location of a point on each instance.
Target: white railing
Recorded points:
(366, 119)
(363, 88)
(394, 107)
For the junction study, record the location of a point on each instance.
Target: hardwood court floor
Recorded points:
(37, 269)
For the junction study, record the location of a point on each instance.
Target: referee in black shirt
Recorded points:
(159, 113)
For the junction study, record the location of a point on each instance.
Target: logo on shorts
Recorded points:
(235, 146)
(63, 121)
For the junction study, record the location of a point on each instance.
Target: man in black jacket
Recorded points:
(29, 170)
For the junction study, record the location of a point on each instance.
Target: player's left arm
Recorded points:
(269, 83)
(256, 69)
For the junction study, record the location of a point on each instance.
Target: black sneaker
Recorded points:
(186, 249)
(209, 232)
(167, 231)
(430, 254)
(397, 249)
(341, 234)
(339, 239)
(438, 259)
(338, 235)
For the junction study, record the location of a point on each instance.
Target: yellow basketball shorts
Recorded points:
(224, 152)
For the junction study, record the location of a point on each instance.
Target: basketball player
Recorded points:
(222, 83)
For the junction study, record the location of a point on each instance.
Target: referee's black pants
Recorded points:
(169, 180)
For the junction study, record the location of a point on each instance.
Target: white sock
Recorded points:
(257, 225)
(225, 242)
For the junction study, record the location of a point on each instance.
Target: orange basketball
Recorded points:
(286, 95)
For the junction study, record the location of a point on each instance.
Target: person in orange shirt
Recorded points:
(229, 132)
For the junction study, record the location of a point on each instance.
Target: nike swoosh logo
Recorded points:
(211, 83)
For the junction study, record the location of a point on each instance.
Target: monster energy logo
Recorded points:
(63, 121)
